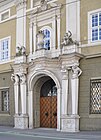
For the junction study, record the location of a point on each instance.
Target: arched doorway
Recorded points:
(48, 104)
(35, 83)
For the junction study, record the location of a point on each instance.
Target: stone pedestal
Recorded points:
(21, 121)
(70, 123)
(20, 59)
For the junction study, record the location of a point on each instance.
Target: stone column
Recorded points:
(23, 93)
(30, 109)
(76, 72)
(15, 78)
(64, 91)
(59, 109)
(21, 121)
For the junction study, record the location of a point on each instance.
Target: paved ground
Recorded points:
(9, 133)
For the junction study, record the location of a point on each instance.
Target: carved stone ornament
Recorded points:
(15, 78)
(40, 39)
(20, 50)
(64, 72)
(43, 5)
(23, 78)
(76, 71)
(67, 39)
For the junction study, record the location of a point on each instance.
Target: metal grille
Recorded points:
(5, 100)
(95, 100)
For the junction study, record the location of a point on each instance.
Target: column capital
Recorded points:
(20, 3)
(76, 71)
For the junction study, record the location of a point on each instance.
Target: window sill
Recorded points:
(6, 61)
(91, 44)
(95, 116)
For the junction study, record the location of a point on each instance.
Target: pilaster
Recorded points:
(64, 72)
(21, 22)
(20, 93)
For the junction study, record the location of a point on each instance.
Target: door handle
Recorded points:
(55, 114)
(46, 114)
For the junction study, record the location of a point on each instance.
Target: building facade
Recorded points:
(50, 71)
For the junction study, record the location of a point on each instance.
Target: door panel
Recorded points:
(48, 111)
(44, 112)
(54, 111)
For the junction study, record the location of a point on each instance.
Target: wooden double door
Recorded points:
(48, 112)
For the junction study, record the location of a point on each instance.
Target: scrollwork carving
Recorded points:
(15, 78)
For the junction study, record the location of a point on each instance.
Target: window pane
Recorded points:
(4, 49)
(94, 20)
(95, 101)
(100, 19)
(94, 34)
(100, 34)
(46, 39)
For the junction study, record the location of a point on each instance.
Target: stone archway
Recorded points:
(36, 81)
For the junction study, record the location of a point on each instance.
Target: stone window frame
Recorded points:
(90, 42)
(1, 51)
(94, 115)
(4, 12)
(1, 100)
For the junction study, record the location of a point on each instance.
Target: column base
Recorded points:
(70, 123)
(21, 121)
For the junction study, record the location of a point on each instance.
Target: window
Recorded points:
(5, 15)
(95, 100)
(5, 100)
(4, 49)
(95, 26)
(46, 39)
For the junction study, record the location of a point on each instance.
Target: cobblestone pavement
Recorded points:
(43, 134)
